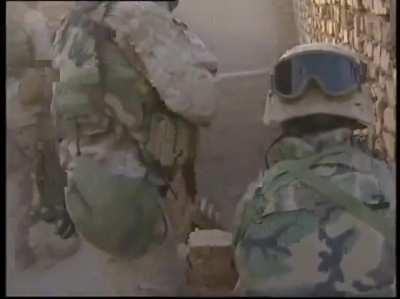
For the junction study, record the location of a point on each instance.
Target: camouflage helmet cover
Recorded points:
(356, 106)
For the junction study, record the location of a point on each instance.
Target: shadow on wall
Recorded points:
(244, 35)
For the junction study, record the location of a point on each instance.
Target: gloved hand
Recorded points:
(65, 228)
(57, 215)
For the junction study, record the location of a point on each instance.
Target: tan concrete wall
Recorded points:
(243, 34)
(364, 26)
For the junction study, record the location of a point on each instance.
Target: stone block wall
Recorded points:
(365, 26)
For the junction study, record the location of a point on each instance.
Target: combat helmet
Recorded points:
(316, 79)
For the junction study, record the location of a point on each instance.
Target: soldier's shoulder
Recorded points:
(15, 11)
(77, 25)
(35, 25)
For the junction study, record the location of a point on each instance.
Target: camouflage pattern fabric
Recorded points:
(123, 147)
(129, 157)
(293, 240)
(175, 59)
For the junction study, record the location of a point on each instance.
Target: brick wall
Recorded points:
(365, 26)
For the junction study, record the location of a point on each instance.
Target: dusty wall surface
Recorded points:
(365, 26)
(244, 35)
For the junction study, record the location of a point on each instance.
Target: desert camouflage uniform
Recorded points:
(320, 220)
(34, 177)
(133, 87)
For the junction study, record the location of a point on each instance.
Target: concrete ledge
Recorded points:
(210, 262)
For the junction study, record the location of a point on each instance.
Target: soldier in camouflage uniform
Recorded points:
(134, 85)
(34, 177)
(320, 220)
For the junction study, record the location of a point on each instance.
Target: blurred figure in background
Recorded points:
(35, 181)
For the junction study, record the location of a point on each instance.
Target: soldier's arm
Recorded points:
(35, 90)
(178, 78)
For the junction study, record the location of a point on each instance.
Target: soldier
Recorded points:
(134, 85)
(320, 220)
(34, 177)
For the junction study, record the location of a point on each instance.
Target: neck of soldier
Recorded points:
(297, 145)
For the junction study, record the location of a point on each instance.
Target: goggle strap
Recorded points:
(271, 81)
(363, 72)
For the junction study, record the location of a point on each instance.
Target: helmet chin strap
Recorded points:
(276, 140)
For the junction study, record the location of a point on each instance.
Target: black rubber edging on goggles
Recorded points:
(358, 75)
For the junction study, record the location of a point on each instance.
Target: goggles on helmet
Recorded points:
(335, 74)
